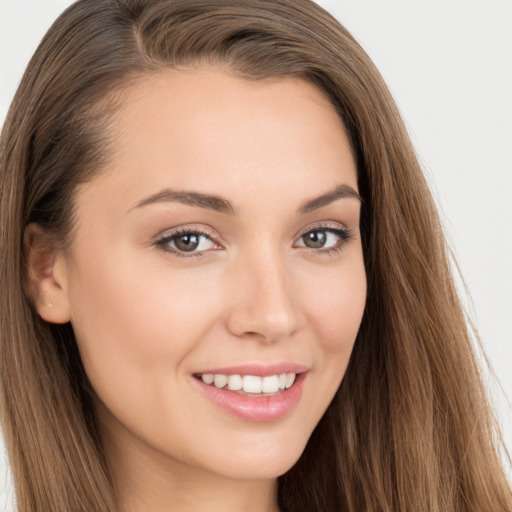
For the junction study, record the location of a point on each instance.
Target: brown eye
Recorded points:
(325, 240)
(187, 243)
(315, 239)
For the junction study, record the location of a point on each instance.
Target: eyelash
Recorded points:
(162, 244)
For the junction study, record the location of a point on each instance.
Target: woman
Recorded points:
(234, 291)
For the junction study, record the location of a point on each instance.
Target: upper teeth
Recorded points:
(250, 383)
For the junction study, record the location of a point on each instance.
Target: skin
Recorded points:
(146, 319)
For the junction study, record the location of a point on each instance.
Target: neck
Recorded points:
(158, 493)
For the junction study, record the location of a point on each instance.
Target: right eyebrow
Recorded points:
(208, 201)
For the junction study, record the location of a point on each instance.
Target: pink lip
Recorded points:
(255, 408)
(258, 370)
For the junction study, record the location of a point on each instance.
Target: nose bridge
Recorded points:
(264, 306)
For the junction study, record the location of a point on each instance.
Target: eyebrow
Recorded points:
(218, 204)
(340, 192)
(208, 201)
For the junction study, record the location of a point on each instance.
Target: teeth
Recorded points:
(235, 382)
(270, 384)
(208, 378)
(250, 383)
(220, 381)
(290, 379)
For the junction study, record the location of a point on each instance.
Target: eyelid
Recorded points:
(340, 230)
(336, 226)
(203, 230)
(162, 240)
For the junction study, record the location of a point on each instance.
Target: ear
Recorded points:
(47, 275)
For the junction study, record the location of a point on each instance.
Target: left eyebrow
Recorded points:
(340, 192)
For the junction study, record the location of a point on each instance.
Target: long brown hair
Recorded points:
(409, 429)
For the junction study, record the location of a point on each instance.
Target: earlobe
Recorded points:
(46, 275)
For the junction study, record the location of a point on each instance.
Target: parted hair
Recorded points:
(409, 429)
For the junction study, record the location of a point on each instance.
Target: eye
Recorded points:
(326, 239)
(186, 242)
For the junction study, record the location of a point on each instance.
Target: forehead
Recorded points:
(204, 128)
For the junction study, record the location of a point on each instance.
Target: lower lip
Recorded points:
(257, 408)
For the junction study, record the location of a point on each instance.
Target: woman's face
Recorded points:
(221, 243)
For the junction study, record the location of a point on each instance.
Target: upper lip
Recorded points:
(259, 370)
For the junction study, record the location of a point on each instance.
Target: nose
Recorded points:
(264, 305)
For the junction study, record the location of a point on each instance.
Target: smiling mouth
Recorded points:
(249, 385)
(256, 398)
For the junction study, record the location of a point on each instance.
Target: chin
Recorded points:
(261, 461)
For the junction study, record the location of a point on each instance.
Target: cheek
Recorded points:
(335, 306)
(136, 327)
(140, 312)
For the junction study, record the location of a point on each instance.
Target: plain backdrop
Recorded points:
(448, 64)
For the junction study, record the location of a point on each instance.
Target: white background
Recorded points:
(448, 64)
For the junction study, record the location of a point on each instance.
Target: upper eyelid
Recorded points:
(322, 225)
(169, 233)
(161, 241)
(346, 235)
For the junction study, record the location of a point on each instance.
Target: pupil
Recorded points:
(316, 239)
(187, 242)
